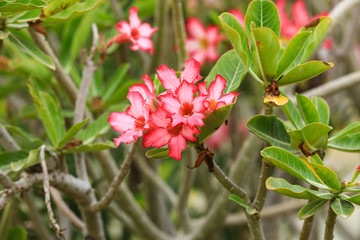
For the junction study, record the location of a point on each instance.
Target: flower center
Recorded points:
(204, 43)
(139, 123)
(186, 109)
(174, 131)
(212, 104)
(135, 33)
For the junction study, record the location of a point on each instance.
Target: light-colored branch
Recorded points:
(7, 141)
(5, 181)
(46, 184)
(180, 34)
(110, 194)
(340, 11)
(61, 76)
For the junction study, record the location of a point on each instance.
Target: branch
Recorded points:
(110, 194)
(5, 181)
(330, 224)
(180, 34)
(340, 11)
(7, 141)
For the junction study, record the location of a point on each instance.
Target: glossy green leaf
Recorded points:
(213, 121)
(157, 153)
(292, 164)
(97, 128)
(283, 187)
(347, 143)
(352, 128)
(342, 208)
(316, 135)
(271, 129)
(307, 109)
(315, 159)
(21, 132)
(292, 52)
(296, 137)
(322, 108)
(32, 159)
(16, 233)
(56, 6)
(115, 81)
(230, 67)
(237, 36)
(32, 50)
(318, 29)
(355, 199)
(327, 175)
(304, 72)
(265, 58)
(20, 6)
(8, 157)
(293, 114)
(311, 208)
(264, 14)
(242, 203)
(91, 147)
(72, 132)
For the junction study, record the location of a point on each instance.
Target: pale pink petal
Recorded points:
(217, 87)
(202, 88)
(135, 47)
(213, 35)
(198, 103)
(196, 120)
(192, 45)
(185, 92)
(123, 27)
(199, 56)
(121, 121)
(148, 83)
(177, 119)
(146, 44)
(211, 54)
(176, 145)
(133, 17)
(137, 108)
(300, 14)
(146, 31)
(159, 118)
(168, 77)
(128, 137)
(142, 89)
(170, 103)
(218, 138)
(189, 132)
(228, 98)
(195, 28)
(220, 104)
(191, 72)
(157, 137)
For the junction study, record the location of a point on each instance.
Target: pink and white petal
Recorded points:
(127, 137)
(135, 47)
(123, 27)
(228, 98)
(170, 103)
(198, 103)
(157, 137)
(148, 83)
(177, 119)
(300, 14)
(145, 30)
(220, 104)
(143, 90)
(121, 121)
(192, 45)
(176, 145)
(121, 38)
(137, 108)
(195, 28)
(191, 72)
(189, 132)
(133, 17)
(159, 118)
(199, 55)
(145, 44)
(185, 92)
(168, 77)
(213, 35)
(202, 88)
(217, 87)
(211, 54)
(196, 120)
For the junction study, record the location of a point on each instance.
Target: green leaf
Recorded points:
(311, 208)
(32, 50)
(230, 67)
(322, 108)
(57, 6)
(20, 6)
(347, 143)
(213, 121)
(342, 208)
(293, 114)
(91, 147)
(265, 58)
(264, 14)
(24, 134)
(355, 199)
(72, 132)
(97, 128)
(307, 109)
(4, 34)
(327, 175)
(304, 72)
(242, 203)
(352, 128)
(32, 159)
(115, 81)
(316, 135)
(293, 165)
(16, 232)
(271, 129)
(9, 157)
(157, 153)
(292, 52)
(315, 159)
(283, 187)
(318, 29)
(237, 36)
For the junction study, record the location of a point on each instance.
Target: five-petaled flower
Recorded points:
(137, 33)
(202, 42)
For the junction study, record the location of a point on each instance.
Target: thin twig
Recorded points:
(46, 184)
(110, 194)
(180, 34)
(7, 141)
(340, 11)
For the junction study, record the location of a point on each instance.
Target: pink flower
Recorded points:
(202, 42)
(136, 32)
(163, 132)
(214, 96)
(218, 138)
(132, 123)
(171, 82)
(183, 107)
(147, 92)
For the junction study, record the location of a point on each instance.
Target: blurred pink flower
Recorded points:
(202, 42)
(218, 138)
(136, 32)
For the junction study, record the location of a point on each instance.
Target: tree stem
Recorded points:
(330, 224)
(180, 34)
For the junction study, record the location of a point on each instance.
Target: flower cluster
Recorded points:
(173, 117)
(139, 34)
